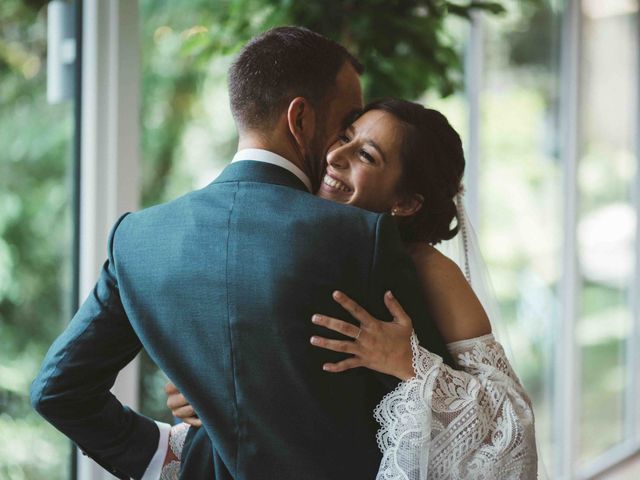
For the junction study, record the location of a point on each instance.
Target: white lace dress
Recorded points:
(445, 424)
(472, 423)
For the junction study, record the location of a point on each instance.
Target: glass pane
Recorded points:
(520, 191)
(606, 228)
(35, 239)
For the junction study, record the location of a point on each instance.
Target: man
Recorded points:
(219, 287)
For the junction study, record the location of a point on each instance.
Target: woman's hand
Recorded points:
(381, 346)
(180, 406)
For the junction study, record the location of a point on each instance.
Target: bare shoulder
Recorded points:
(455, 308)
(432, 263)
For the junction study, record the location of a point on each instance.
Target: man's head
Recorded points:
(295, 90)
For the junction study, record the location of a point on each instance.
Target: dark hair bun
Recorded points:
(433, 167)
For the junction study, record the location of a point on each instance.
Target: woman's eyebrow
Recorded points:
(351, 130)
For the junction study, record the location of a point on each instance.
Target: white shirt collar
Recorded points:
(266, 156)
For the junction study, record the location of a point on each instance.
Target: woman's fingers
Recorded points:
(342, 366)
(193, 421)
(336, 325)
(180, 406)
(176, 400)
(352, 307)
(184, 412)
(170, 388)
(343, 346)
(396, 310)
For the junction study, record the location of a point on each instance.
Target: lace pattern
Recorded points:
(403, 414)
(442, 424)
(177, 437)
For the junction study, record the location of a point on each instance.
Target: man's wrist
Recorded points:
(154, 468)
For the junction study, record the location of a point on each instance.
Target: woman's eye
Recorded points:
(367, 157)
(343, 138)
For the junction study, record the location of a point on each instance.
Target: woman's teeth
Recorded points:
(338, 185)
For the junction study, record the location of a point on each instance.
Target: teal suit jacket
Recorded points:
(219, 287)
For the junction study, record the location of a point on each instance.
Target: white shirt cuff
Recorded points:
(154, 469)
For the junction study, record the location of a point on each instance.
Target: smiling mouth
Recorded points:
(335, 184)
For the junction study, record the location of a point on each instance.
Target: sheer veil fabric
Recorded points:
(469, 257)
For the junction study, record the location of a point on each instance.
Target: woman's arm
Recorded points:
(477, 419)
(475, 422)
(383, 346)
(454, 306)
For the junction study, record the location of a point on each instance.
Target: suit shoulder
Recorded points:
(348, 213)
(163, 210)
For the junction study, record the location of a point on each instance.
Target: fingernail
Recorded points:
(389, 294)
(314, 339)
(315, 318)
(325, 368)
(336, 294)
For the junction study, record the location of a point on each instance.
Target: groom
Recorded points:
(219, 287)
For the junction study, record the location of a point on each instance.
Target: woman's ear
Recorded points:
(301, 119)
(408, 206)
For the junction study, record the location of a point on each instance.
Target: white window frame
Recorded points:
(566, 364)
(110, 156)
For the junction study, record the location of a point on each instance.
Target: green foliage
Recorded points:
(404, 44)
(35, 153)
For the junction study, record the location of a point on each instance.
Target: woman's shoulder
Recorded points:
(455, 307)
(431, 261)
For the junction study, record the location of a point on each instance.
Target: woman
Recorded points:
(439, 423)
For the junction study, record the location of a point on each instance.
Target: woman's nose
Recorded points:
(337, 157)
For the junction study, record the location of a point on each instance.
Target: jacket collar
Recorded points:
(266, 156)
(260, 172)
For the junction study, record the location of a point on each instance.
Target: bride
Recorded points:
(472, 421)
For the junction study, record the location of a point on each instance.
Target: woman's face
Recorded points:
(364, 166)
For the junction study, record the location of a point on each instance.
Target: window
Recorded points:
(36, 236)
(571, 332)
(607, 169)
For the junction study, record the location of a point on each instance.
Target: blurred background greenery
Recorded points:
(411, 49)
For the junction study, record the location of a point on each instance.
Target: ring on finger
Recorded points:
(358, 335)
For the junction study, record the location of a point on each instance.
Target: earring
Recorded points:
(394, 212)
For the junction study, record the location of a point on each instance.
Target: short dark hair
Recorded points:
(433, 165)
(279, 65)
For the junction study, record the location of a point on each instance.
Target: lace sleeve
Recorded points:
(476, 422)
(171, 470)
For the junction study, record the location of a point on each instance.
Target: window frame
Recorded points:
(109, 164)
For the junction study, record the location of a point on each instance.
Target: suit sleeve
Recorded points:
(393, 269)
(72, 388)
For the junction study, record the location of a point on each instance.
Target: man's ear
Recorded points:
(408, 205)
(301, 119)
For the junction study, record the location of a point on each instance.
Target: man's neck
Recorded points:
(259, 142)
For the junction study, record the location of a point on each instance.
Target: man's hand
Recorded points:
(180, 406)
